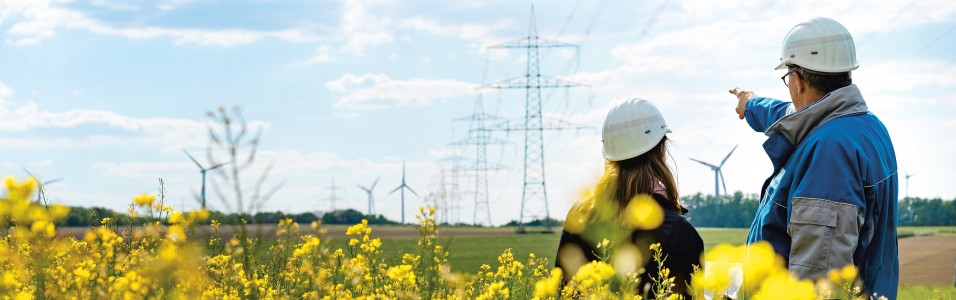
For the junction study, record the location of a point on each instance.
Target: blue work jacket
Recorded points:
(832, 198)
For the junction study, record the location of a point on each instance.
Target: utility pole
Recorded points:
(534, 199)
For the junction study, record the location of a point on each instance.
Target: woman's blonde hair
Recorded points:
(640, 174)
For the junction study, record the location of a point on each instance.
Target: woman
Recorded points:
(618, 221)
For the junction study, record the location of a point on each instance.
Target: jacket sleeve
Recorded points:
(761, 112)
(826, 212)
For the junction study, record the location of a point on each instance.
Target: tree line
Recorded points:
(91, 216)
(734, 211)
(738, 210)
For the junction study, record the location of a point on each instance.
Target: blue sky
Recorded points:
(105, 94)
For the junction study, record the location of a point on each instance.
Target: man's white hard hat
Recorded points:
(632, 128)
(820, 44)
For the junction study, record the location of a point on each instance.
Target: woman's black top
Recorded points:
(680, 244)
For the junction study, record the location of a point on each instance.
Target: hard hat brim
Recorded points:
(782, 65)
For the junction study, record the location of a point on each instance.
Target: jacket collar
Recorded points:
(798, 125)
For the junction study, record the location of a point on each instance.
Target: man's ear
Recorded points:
(801, 85)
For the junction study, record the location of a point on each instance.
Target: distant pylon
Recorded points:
(332, 197)
(534, 193)
(450, 207)
(479, 135)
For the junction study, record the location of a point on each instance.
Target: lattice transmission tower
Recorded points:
(479, 136)
(449, 192)
(534, 199)
(332, 197)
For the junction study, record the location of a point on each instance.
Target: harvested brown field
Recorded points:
(928, 260)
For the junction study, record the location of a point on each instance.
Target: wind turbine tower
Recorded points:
(403, 187)
(368, 190)
(718, 174)
(908, 175)
(41, 185)
(202, 170)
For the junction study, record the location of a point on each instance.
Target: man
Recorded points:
(831, 200)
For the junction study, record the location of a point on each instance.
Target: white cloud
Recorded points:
(41, 19)
(323, 55)
(168, 133)
(361, 28)
(377, 91)
(140, 169)
(481, 34)
(5, 91)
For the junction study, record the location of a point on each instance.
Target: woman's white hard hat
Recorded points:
(632, 128)
(820, 44)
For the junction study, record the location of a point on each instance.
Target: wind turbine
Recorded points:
(403, 187)
(718, 174)
(41, 189)
(369, 191)
(202, 171)
(908, 175)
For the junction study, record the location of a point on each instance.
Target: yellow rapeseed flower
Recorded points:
(593, 275)
(549, 286)
(716, 275)
(402, 274)
(144, 199)
(783, 286)
(759, 262)
(19, 191)
(644, 213)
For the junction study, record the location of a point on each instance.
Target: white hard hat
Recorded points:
(632, 128)
(820, 44)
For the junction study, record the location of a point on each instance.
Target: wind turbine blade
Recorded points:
(31, 174)
(728, 155)
(367, 190)
(723, 181)
(193, 159)
(216, 167)
(706, 164)
(52, 181)
(411, 190)
(374, 183)
(396, 189)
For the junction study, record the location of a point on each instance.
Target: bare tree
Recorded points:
(234, 144)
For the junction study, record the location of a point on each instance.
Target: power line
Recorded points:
(935, 40)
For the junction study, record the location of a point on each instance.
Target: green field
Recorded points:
(908, 231)
(468, 254)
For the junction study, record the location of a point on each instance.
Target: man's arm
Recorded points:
(760, 112)
(826, 213)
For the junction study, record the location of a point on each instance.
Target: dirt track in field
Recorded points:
(929, 260)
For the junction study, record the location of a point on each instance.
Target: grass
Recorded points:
(926, 292)
(468, 254)
(908, 231)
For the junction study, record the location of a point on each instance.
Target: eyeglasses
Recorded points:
(785, 76)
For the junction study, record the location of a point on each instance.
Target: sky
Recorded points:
(106, 94)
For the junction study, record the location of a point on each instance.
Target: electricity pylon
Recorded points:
(479, 135)
(449, 189)
(534, 194)
(332, 197)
